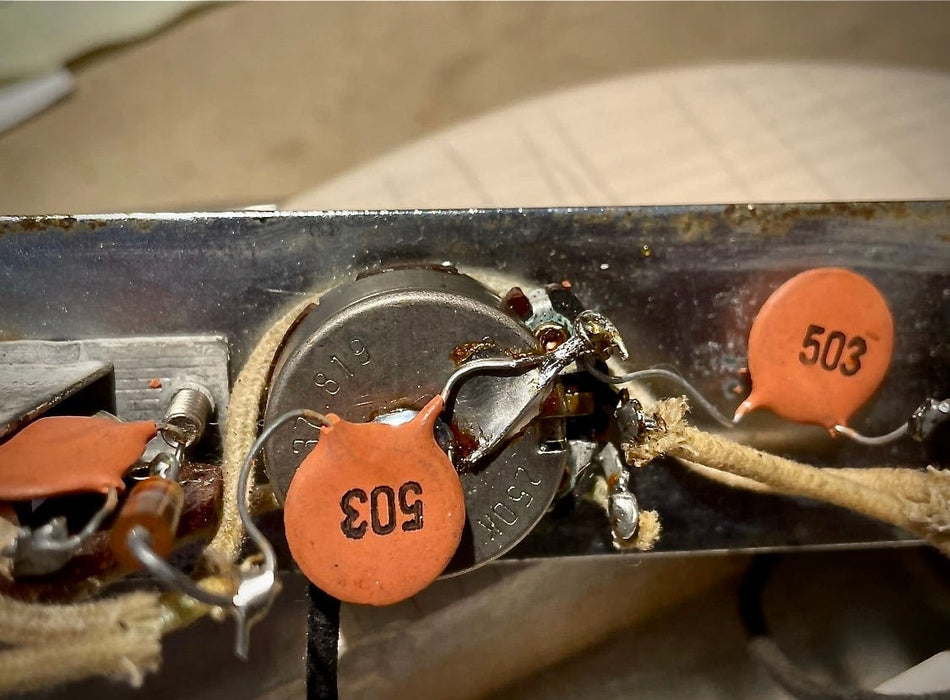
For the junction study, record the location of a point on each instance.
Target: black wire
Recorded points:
(763, 648)
(323, 638)
(751, 589)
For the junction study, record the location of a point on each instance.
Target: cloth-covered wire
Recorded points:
(120, 637)
(915, 500)
(240, 431)
(117, 637)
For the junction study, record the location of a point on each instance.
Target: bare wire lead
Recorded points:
(647, 374)
(258, 584)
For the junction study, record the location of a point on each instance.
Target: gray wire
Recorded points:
(851, 433)
(74, 541)
(252, 590)
(270, 560)
(647, 374)
(140, 544)
(875, 440)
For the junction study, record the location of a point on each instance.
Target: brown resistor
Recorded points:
(155, 504)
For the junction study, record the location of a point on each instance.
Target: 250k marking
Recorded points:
(505, 513)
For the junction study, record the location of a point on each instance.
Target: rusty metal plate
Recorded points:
(682, 283)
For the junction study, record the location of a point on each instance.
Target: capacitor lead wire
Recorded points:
(653, 373)
(935, 411)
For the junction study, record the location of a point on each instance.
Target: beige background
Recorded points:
(249, 103)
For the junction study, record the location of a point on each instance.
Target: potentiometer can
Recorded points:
(378, 349)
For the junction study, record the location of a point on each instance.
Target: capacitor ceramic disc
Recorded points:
(375, 512)
(819, 347)
(70, 454)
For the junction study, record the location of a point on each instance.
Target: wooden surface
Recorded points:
(247, 103)
(757, 132)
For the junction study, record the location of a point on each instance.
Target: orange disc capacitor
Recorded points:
(58, 455)
(819, 347)
(375, 512)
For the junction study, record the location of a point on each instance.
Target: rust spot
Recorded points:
(70, 224)
(551, 336)
(553, 405)
(776, 219)
(579, 403)
(41, 224)
(515, 354)
(465, 351)
(568, 403)
(465, 442)
(779, 219)
(155, 383)
(517, 301)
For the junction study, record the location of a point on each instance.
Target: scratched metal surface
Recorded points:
(682, 283)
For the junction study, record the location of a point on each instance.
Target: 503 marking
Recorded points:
(382, 499)
(827, 352)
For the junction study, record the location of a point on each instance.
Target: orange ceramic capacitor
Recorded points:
(375, 512)
(819, 347)
(70, 454)
(155, 505)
